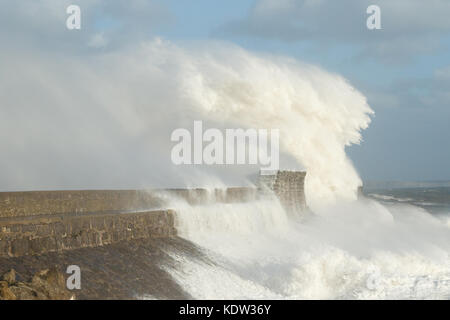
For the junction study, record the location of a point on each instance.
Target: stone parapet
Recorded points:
(39, 234)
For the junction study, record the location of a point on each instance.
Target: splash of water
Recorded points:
(360, 250)
(120, 132)
(318, 113)
(349, 249)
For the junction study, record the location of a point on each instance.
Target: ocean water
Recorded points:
(435, 200)
(382, 247)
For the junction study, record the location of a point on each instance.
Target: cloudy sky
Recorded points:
(403, 69)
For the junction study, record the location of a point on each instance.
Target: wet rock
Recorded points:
(124, 270)
(48, 284)
(24, 292)
(7, 294)
(51, 283)
(10, 277)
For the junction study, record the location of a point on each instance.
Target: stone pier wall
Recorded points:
(36, 222)
(40, 234)
(34, 203)
(288, 186)
(47, 221)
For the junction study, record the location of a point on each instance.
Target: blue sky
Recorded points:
(403, 69)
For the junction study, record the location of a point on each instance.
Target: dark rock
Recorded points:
(7, 294)
(10, 277)
(51, 284)
(23, 292)
(48, 284)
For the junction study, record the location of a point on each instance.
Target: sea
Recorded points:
(432, 196)
(393, 243)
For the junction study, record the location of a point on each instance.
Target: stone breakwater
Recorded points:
(36, 222)
(35, 203)
(39, 234)
(288, 187)
(119, 238)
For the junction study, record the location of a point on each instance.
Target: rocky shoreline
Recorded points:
(124, 270)
(47, 284)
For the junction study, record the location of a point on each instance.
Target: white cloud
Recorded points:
(41, 24)
(408, 26)
(443, 73)
(98, 40)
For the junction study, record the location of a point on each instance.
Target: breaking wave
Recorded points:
(318, 113)
(347, 248)
(359, 250)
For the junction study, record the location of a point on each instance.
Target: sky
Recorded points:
(403, 69)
